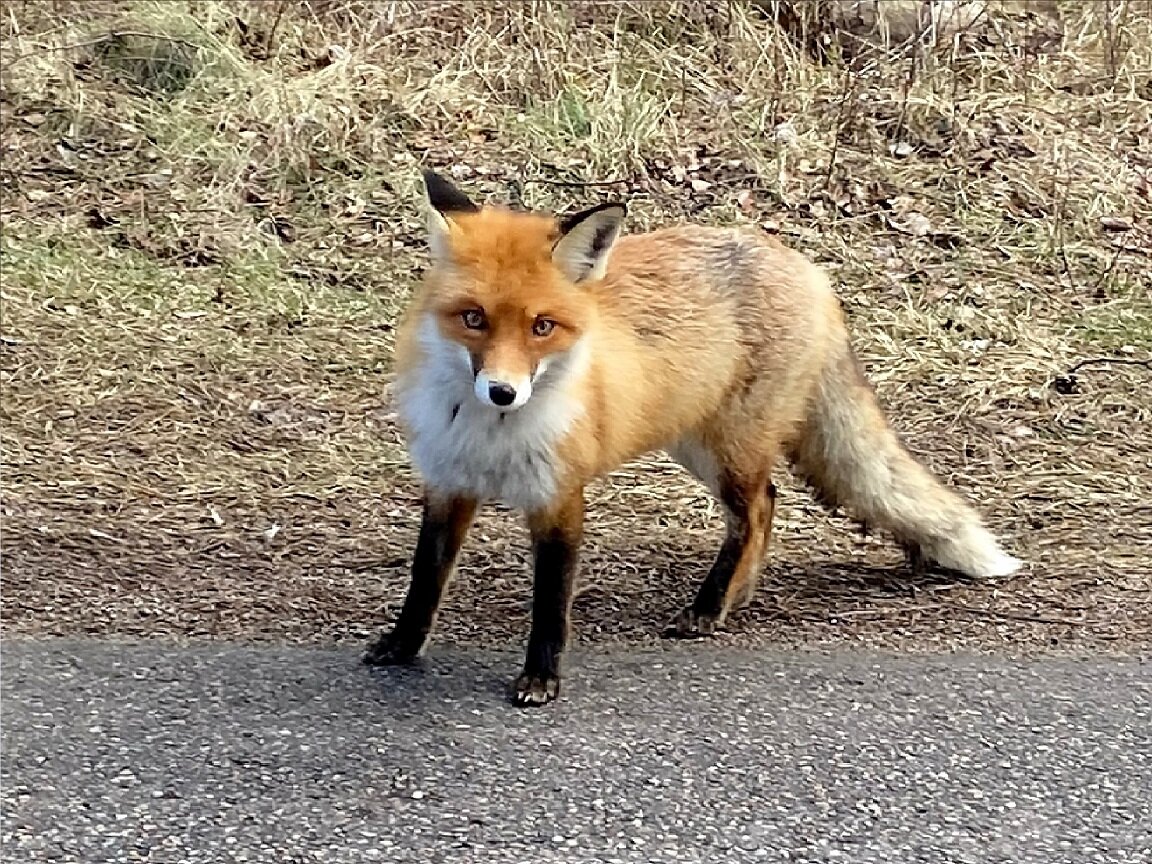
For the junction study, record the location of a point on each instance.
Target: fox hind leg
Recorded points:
(730, 582)
(749, 587)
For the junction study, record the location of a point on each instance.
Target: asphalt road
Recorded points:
(161, 753)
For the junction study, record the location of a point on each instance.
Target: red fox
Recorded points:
(543, 352)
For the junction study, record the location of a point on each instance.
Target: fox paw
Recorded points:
(535, 688)
(389, 650)
(691, 624)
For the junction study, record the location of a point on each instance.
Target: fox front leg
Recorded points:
(443, 527)
(556, 537)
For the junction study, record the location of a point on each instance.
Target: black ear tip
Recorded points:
(435, 183)
(444, 196)
(567, 223)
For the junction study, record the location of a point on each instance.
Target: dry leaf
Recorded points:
(916, 224)
(1115, 223)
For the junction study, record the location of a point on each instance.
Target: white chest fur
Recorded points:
(462, 446)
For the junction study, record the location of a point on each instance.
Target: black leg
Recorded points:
(556, 538)
(917, 562)
(701, 617)
(443, 527)
(751, 507)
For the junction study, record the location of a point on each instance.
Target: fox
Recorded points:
(542, 351)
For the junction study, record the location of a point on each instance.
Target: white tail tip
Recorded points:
(1001, 565)
(974, 552)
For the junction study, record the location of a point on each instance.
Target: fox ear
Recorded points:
(586, 238)
(443, 200)
(444, 197)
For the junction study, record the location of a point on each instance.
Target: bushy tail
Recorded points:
(852, 458)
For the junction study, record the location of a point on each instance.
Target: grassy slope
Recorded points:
(208, 232)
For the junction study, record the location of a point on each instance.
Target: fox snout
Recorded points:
(502, 394)
(506, 392)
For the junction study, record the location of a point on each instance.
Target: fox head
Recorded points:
(508, 291)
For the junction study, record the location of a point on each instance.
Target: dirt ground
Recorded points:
(206, 247)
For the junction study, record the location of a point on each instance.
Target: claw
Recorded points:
(690, 624)
(389, 650)
(535, 689)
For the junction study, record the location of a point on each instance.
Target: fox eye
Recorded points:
(543, 326)
(473, 319)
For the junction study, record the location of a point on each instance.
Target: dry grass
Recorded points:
(210, 223)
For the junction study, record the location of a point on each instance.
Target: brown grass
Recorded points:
(210, 223)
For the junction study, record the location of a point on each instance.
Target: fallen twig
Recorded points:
(579, 183)
(1098, 286)
(1124, 361)
(99, 40)
(1016, 616)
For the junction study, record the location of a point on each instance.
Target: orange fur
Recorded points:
(720, 345)
(720, 337)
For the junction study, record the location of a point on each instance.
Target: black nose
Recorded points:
(501, 394)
